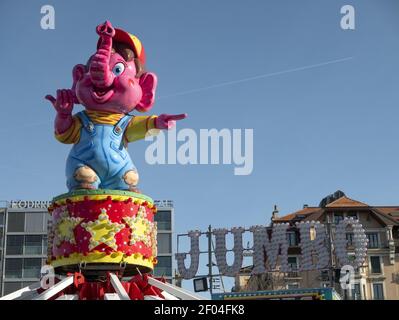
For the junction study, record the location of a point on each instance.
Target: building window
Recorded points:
(32, 268)
(10, 287)
(163, 267)
(28, 283)
(292, 239)
(35, 222)
(349, 239)
(356, 292)
(13, 268)
(378, 291)
(163, 220)
(44, 243)
(1, 237)
(324, 274)
(15, 245)
(338, 217)
(373, 240)
(33, 244)
(293, 263)
(375, 264)
(352, 258)
(352, 214)
(18, 244)
(164, 243)
(1, 218)
(16, 222)
(292, 286)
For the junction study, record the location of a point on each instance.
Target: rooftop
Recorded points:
(388, 215)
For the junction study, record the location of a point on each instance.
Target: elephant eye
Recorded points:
(118, 69)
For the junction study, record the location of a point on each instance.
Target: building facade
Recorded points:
(24, 245)
(376, 279)
(164, 220)
(2, 215)
(23, 242)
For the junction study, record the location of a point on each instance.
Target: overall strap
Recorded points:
(86, 122)
(122, 124)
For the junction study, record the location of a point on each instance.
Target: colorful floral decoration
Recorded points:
(101, 227)
(102, 230)
(154, 241)
(141, 228)
(64, 228)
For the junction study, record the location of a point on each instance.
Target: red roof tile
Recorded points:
(388, 213)
(302, 212)
(346, 202)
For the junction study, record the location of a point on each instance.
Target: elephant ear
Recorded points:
(148, 83)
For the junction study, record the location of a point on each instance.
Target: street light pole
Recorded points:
(210, 263)
(330, 248)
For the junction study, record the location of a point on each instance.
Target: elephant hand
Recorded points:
(168, 121)
(64, 102)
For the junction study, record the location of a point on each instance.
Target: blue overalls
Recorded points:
(101, 147)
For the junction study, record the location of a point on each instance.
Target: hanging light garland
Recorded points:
(311, 245)
(194, 256)
(360, 242)
(277, 246)
(221, 251)
(270, 253)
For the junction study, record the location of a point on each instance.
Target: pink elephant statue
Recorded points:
(110, 86)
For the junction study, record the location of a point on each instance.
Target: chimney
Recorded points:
(305, 206)
(275, 213)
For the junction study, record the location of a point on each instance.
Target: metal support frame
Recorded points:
(68, 297)
(120, 290)
(168, 291)
(25, 293)
(111, 296)
(152, 298)
(169, 296)
(173, 290)
(55, 289)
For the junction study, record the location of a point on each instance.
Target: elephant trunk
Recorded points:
(100, 71)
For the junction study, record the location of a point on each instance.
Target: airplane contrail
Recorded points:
(227, 83)
(261, 76)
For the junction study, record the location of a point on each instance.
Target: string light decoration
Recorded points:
(141, 228)
(154, 240)
(221, 251)
(313, 247)
(102, 230)
(277, 246)
(64, 228)
(101, 223)
(359, 243)
(194, 257)
(270, 248)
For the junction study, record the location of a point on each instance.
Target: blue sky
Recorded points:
(316, 129)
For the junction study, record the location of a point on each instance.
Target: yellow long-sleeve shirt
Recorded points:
(136, 130)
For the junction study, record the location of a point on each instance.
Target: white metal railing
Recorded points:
(168, 291)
